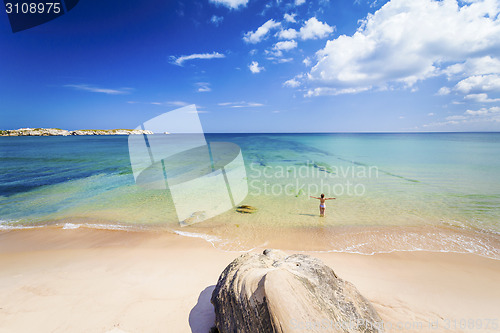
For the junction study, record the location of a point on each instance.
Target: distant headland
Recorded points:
(62, 132)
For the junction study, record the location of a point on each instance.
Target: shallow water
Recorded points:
(438, 192)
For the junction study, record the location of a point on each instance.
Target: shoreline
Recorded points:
(80, 280)
(363, 240)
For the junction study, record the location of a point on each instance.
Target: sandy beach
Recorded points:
(87, 280)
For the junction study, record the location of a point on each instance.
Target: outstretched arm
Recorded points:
(330, 198)
(314, 197)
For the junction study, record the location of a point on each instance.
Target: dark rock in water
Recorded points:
(246, 209)
(273, 292)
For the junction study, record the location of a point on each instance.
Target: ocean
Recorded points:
(393, 192)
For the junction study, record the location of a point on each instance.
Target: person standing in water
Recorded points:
(322, 207)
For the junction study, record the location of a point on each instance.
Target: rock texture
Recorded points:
(273, 292)
(61, 132)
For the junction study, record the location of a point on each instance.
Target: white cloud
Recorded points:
(314, 29)
(408, 41)
(217, 20)
(430, 114)
(311, 29)
(290, 17)
(292, 83)
(457, 117)
(241, 104)
(254, 67)
(285, 45)
(299, 2)
(203, 86)
(177, 103)
(307, 61)
(474, 66)
(323, 91)
(484, 111)
(86, 87)
(482, 117)
(278, 48)
(180, 60)
(233, 4)
(258, 35)
(443, 91)
(482, 98)
(288, 34)
(479, 83)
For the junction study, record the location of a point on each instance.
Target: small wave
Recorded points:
(208, 238)
(71, 226)
(12, 225)
(219, 243)
(99, 226)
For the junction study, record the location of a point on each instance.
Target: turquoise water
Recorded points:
(441, 190)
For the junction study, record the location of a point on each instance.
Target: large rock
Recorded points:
(273, 292)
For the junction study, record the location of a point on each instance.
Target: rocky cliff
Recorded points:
(61, 132)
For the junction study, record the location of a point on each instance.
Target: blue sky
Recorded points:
(258, 66)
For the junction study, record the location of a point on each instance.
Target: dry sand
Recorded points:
(85, 280)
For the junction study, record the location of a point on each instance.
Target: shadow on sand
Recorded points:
(313, 215)
(202, 315)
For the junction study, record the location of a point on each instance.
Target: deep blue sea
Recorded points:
(422, 191)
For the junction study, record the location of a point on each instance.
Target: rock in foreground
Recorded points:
(273, 292)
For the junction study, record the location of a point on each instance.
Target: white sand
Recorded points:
(83, 280)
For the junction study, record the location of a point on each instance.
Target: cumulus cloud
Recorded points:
(180, 60)
(299, 2)
(290, 17)
(482, 98)
(292, 83)
(288, 34)
(479, 83)
(232, 4)
(311, 29)
(443, 91)
(474, 66)
(493, 111)
(261, 33)
(408, 41)
(255, 68)
(314, 29)
(285, 45)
